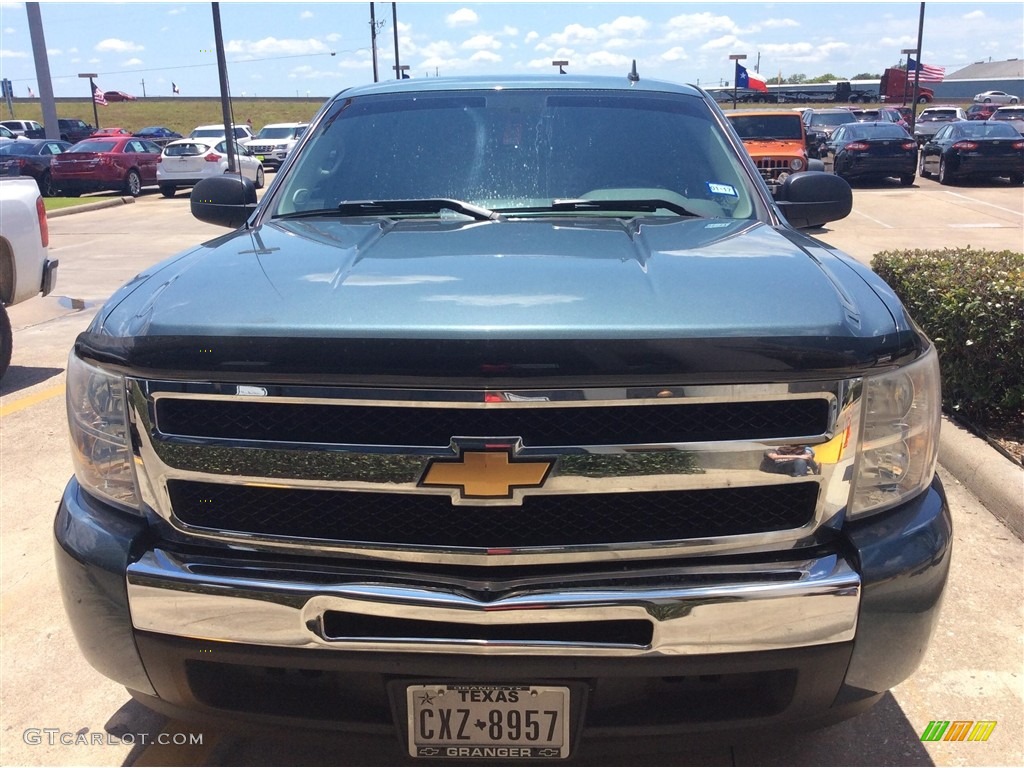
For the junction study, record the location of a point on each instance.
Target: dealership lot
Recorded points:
(58, 711)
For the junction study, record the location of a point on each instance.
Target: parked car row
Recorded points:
(114, 158)
(956, 150)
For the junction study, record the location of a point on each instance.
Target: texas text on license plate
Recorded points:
(488, 721)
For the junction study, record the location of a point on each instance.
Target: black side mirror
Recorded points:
(813, 198)
(227, 200)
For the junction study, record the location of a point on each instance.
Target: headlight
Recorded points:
(899, 436)
(98, 421)
(796, 164)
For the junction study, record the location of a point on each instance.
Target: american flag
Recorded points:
(97, 96)
(929, 74)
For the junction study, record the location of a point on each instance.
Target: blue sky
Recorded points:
(285, 49)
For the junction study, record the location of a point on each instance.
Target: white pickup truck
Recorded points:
(25, 267)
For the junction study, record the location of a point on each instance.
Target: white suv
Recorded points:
(275, 141)
(242, 132)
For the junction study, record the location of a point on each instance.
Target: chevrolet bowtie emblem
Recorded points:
(486, 474)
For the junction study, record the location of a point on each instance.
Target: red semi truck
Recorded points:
(896, 87)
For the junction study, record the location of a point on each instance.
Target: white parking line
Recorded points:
(982, 202)
(979, 226)
(872, 218)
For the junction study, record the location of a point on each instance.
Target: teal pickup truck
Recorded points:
(516, 413)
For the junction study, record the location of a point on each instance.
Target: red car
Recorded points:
(106, 163)
(118, 96)
(111, 132)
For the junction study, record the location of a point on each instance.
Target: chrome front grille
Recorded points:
(643, 472)
(541, 521)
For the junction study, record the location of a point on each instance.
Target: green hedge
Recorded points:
(971, 304)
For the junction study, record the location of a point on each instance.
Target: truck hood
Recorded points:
(719, 288)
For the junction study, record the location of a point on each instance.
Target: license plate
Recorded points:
(488, 721)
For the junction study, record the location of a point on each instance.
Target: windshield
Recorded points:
(206, 133)
(1008, 114)
(512, 150)
(21, 148)
(768, 126)
(833, 118)
(93, 146)
(278, 133)
(988, 130)
(876, 131)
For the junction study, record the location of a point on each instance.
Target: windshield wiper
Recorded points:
(413, 207)
(397, 208)
(645, 205)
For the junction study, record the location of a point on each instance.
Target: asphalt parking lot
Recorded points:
(55, 710)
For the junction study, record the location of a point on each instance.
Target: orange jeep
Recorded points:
(776, 140)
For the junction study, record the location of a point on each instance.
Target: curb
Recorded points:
(107, 203)
(996, 481)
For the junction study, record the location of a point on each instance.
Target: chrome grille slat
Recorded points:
(322, 469)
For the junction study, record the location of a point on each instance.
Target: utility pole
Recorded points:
(143, 84)
(225, 94)
(373, 40)
(394, 23)
(35, 29)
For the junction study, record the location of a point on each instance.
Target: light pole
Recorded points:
(906, 79)
(737, 58)
(92, 95)
(561, 66)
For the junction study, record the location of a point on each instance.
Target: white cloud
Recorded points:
(678, 53)
(333, 37)
(694, 26)
(720, 43)
(573, 35)
(9, 30)
(176, 11)
(625, 25)
(778, 23)
(481, 42)
(133, 62)
(600, 59)
(510, 31)
(530, 37)
(113, 45)
(306, 15)
(8, 54)
(973, 15)
(486, 57)
(463, 17)
(54, 52)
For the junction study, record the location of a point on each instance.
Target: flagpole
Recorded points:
(917, 69)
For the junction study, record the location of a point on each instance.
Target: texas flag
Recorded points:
(750, 80)
(174, 88)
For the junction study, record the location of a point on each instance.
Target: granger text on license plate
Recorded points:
(488, 721)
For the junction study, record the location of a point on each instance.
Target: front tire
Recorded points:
(259, 178)
(168, 191)
(6, 340)
(133, 183)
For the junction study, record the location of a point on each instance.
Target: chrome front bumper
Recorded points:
(694, 610)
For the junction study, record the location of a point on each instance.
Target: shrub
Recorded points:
(971, 304)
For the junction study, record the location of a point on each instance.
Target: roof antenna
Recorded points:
(633, 77)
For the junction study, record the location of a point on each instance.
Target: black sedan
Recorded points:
(871, 150)
(158, 134)
(31, 157)
(974, 148)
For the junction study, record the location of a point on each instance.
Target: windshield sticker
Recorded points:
(722, 189)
